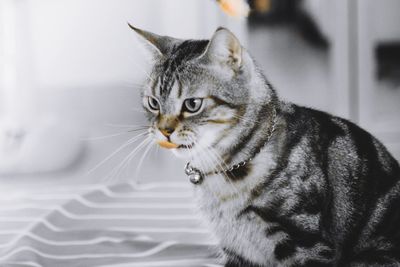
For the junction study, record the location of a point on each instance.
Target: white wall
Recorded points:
(75, 44)
(87, 42)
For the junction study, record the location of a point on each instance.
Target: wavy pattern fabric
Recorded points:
(104, 226)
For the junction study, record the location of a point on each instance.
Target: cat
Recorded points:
(279, 184)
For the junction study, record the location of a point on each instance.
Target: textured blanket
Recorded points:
(121, 226)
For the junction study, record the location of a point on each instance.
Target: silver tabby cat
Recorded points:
(279, 184)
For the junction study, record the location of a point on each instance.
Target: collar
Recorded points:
(196, 176)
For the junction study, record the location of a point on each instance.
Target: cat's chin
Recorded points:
(182, 153)
(186, 153)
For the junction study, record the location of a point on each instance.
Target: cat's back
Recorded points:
(337, 139)
(361, 180)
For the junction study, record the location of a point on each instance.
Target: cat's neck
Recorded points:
(253, 130)
(243, 145)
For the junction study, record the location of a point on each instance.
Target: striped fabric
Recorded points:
(108, 226)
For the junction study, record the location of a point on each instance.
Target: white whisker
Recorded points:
(219, 162)
(201, 162)
(111, 135)
(204, 149)
(207, 159)
(149, 146)
(126, 125)
(116, 170)
(138, 110)
(244, 119)
(226, 167)
(127, 143)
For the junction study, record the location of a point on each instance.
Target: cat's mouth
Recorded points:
(188, 146)
(170, 145)
(184, 151)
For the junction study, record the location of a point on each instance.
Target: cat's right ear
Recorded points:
(224, 48)
(158, 45)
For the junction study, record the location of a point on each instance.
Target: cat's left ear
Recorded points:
(224, 48)
(158, 45)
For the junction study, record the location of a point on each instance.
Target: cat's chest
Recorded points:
(243, 234)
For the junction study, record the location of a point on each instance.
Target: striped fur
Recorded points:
(321, 192)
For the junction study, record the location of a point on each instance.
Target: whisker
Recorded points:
(150, 145)
(216, 166)
(219, 161)
(203, 160)
(138, 110)
(117, 170)
(213, 192)
(111, 135)
(157, 151)
(136, 130)
(127, 143)
(201, 167)
(212, 153)
(243, 117)
(233, 186)
(204, 151)
(125, 125)
(219, 158)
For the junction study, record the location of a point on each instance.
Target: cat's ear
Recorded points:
(158, 45)
(224, 48)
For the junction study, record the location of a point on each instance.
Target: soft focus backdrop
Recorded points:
(70, 73)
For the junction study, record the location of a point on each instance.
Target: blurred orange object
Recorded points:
(166, 144)
(235, 8)
(262, 5)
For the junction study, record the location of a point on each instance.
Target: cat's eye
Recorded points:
(192, 105)
(153, 103)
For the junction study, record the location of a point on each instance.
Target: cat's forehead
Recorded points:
(192, 82)
(174, 72)
(185, 51)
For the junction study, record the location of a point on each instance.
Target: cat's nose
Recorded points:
(167, 131)
(167, 124)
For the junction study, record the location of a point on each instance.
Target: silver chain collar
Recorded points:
(196, 176)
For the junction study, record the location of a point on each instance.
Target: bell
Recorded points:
(195, 177)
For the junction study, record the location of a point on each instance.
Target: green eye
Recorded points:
(192, 105)
(153, 103)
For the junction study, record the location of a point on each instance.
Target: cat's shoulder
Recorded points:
(311, 118)
(335, 134)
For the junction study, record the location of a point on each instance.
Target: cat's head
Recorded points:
(198, 94)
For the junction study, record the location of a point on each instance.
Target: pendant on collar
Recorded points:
(195, 175)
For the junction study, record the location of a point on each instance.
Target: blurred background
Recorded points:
(70, 76)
